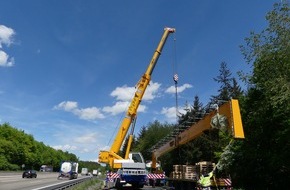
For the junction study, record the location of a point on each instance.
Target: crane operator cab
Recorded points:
(136, 157)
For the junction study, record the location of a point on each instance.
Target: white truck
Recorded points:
(46, 168)
(85, 171)
(68, 170)
(95, 172)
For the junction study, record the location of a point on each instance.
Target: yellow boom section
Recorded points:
(230, 111)
(109, 156)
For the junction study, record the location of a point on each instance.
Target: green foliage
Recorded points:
(153, 133)
(18, 148)
(200, 148)
(125, 145)
(264, 155)
(268, 53)
(229, 87)
(90, 165)
(209, 146)
(261, 160)
(90, 184)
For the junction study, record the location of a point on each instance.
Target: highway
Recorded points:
(14, 181)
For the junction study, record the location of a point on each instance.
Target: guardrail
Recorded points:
(64, 184)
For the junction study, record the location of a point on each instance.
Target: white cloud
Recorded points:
(126, 93)
(6, 38)
(67, 105)
(85, 150)
(171, 89)
(66, 147)
(152, 91)
(6, 35)
(91, 113)
(170, 113)
(120, 107)
(123, 93)
(124, 96)
(5, 61)
(86, 139)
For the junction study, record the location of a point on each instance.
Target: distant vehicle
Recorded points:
(95, 172)
(69, 170)
(85, 171)
(29, 174)
(46, 168)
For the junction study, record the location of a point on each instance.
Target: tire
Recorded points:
(118, 184)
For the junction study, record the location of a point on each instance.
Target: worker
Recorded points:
(204, 181)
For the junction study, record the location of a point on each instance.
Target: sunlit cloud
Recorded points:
(92, 113)
(126, 93)
(86, 139)
(171, 113)
(121, 107)
(172, 89)
(66, 147)
(6, 38)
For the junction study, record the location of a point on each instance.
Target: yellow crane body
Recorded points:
(108, 157)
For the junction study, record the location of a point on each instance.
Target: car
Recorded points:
(29, 174)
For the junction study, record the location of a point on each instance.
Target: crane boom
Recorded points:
(109, 156)
(229, 111)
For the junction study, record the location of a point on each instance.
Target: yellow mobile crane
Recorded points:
(131, 169)
(225, 117)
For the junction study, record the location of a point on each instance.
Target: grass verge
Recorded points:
(92, 184)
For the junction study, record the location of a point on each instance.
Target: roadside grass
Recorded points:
(92, 184)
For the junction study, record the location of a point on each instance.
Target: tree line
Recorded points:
(19, 150)
(261, 160)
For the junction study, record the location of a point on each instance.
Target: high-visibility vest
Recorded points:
(205, 181)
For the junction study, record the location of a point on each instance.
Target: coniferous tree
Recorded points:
(141, 134)
(229, 87)
(262, 160)
(155, 131)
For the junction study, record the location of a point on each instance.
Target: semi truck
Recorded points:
(131, 169)
(68, 170)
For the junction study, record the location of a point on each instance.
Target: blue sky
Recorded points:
(68, 67)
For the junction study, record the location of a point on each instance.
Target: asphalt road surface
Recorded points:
(14, 181)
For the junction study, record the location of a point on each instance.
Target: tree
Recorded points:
(263, 159)
(125, 145)
(154, 133)
(17, 148)
(229, 87)
(268, 53)
(141, 135)
(195, 150)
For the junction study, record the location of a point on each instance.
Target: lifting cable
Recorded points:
(175, 79)
(175, 76)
